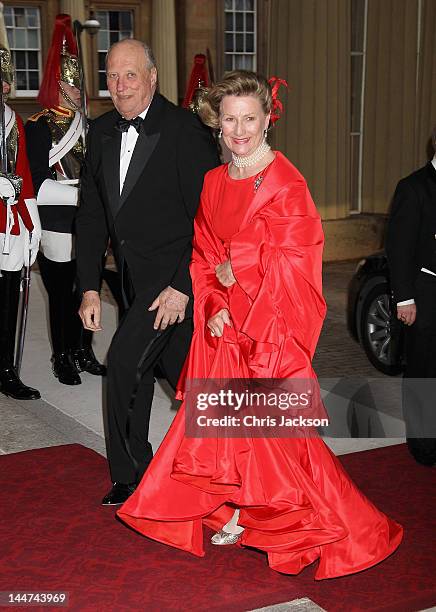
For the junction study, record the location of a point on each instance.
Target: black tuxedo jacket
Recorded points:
(411, 232)
(151, 223)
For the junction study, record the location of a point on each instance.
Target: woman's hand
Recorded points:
(217, 322)
(224, 274)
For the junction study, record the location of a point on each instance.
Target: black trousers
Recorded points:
(130, 389)
(419, 383)
(9, 299)
(66, 330)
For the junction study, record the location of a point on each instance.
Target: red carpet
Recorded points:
(54, 535)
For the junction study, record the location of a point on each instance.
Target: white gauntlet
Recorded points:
(7, 191)
(36, 232)
(9, 195)
(56, 193)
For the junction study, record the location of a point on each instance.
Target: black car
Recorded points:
(371, 316)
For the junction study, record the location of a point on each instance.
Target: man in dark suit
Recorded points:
(411, 252)
(141, 184)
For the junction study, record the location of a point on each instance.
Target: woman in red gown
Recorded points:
(258, 313)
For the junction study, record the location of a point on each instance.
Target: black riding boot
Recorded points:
(59, 280)
(10, 383)
(84, 357)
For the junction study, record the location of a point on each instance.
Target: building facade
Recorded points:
(361, 101)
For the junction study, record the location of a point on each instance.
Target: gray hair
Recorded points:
(151, 61)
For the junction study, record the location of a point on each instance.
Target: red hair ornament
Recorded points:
(277, 105)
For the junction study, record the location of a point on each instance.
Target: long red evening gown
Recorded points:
(296, 502)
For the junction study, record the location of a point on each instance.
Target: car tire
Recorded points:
(381, 332)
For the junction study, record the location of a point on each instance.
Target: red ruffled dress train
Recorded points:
(297, 504)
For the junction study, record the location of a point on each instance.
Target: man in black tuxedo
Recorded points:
(411, 252)
(141, 185)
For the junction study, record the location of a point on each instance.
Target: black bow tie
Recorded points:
(124, 124)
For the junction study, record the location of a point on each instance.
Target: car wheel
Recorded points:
(381, 332)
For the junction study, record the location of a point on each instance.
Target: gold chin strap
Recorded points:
(67, 97)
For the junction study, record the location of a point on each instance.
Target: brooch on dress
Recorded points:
(257, 183)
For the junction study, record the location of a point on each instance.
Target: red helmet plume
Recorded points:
(62, 40)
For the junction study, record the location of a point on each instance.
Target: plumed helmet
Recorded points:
(70, 67)
(62, 62)
(7, 65)
(8, 71)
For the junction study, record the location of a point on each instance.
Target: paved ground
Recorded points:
(66, 415)
(76, 414)
(337, 354)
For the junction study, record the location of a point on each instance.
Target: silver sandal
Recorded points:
(222, 538)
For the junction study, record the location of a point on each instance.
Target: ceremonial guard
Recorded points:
(55, 145)
(20, 232)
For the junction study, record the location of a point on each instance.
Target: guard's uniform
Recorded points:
(18, 220)
(55, 171)
(55, 149)
(55, 146)
(20, 232)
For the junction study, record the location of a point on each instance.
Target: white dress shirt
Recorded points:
(412, 301)
(128, 142)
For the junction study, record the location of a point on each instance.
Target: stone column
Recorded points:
(164, 46)
(75, 8)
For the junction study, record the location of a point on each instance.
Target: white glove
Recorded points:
(56, 193)
(7, 190)
(36, 232)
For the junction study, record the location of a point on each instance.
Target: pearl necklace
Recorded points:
(244, 161)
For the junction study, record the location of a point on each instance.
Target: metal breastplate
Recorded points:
(12, 148)
(72, 161)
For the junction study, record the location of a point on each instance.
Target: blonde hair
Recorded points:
(235, 83)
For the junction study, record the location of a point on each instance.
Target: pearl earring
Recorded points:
(220, 133)
(265, 133)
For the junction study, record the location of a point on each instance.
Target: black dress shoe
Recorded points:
(86, 361)
(12, 386)
(65, 369)
(118, 494)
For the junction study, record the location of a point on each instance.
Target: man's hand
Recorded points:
(217, 322)
(224, 274)
(90, 311)
(171, 306)
(407, 314)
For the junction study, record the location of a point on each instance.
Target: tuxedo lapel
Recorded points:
(111, 144)
(144, 147)
(431, 173)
